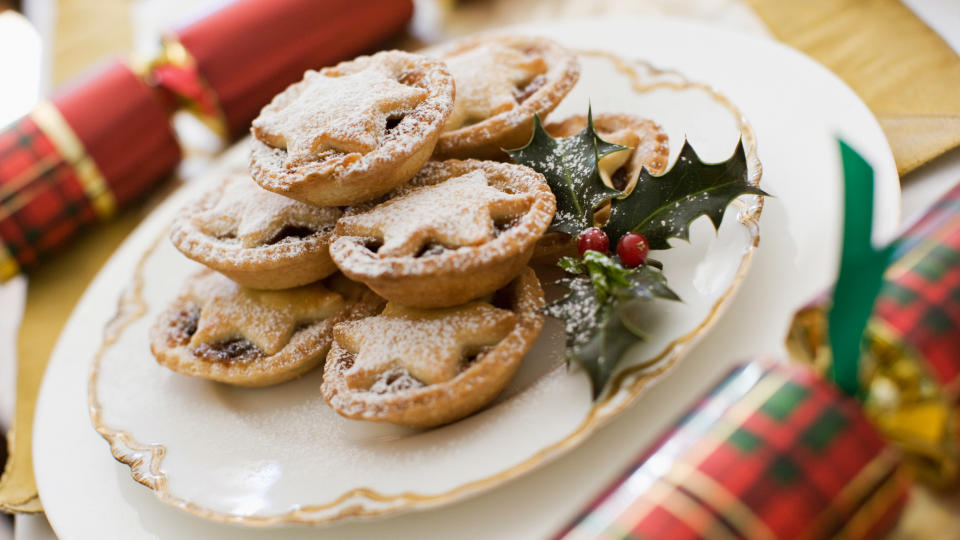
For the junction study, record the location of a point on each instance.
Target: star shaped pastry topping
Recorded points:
(487, 77)
(457, 212)
(431, 345)
(256, 216)
(324, 112)
(267, 319)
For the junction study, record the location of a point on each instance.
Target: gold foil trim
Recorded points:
(8, 265)
(173, 53)
(94, 185)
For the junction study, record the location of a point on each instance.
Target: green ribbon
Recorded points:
(861, 272)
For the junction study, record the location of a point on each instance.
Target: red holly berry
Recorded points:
(593, 239)
(633, 249)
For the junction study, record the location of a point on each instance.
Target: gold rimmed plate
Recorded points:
(279, 455)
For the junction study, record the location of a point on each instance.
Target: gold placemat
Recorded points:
(87, 32)
(906, 73)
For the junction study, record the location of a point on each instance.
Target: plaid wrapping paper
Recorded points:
(910, 368)
(76, 160)
(772, 452)
(42, 201)
(913, 373)
(919, 304)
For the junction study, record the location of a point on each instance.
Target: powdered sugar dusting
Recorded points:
(254, 216)
(345, 113)
(430, 345)
(255, 237)
(488, 77)
(421, 108)
(508, 119)
(458, 212)
(518, 183)
(394, 380)
(265, 318)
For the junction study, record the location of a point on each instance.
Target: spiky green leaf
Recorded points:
(570, 167)
(594, 311)
(662, 207)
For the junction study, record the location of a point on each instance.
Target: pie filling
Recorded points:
(392, 122)
(619, 179)
(523, 93)
(291, 233)
(373, 244)
(237, 350)
(183, 326)
(504, 224)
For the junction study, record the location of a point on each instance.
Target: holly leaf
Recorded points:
(662, 207)
(645, 283)
(570, 167)
(594, 309)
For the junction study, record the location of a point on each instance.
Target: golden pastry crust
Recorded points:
(539, 72)
(649, 147)
(478, 363)
(457, 231)
(220, 331)
(258, 239)
(352, 132)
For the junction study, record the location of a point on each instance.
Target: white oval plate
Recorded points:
(80, 491)
(281, 455)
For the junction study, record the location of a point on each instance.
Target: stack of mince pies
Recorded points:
(379, 233)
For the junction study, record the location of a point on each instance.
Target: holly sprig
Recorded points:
(604, 292)
(601, 294)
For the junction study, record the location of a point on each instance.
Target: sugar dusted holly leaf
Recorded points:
(662, 207)
(646, 283)
(594, 309)
(570, 167)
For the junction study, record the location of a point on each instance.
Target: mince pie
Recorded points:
(648, 148)
(455, 232)
(218, 330)
(502, 82)
(256, 238)
(351, 132)
(424, 368)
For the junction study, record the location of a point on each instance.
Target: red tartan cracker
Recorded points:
(910, 369)
(919, 305)
(773, 452)
(68, 163)
(914, 342)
